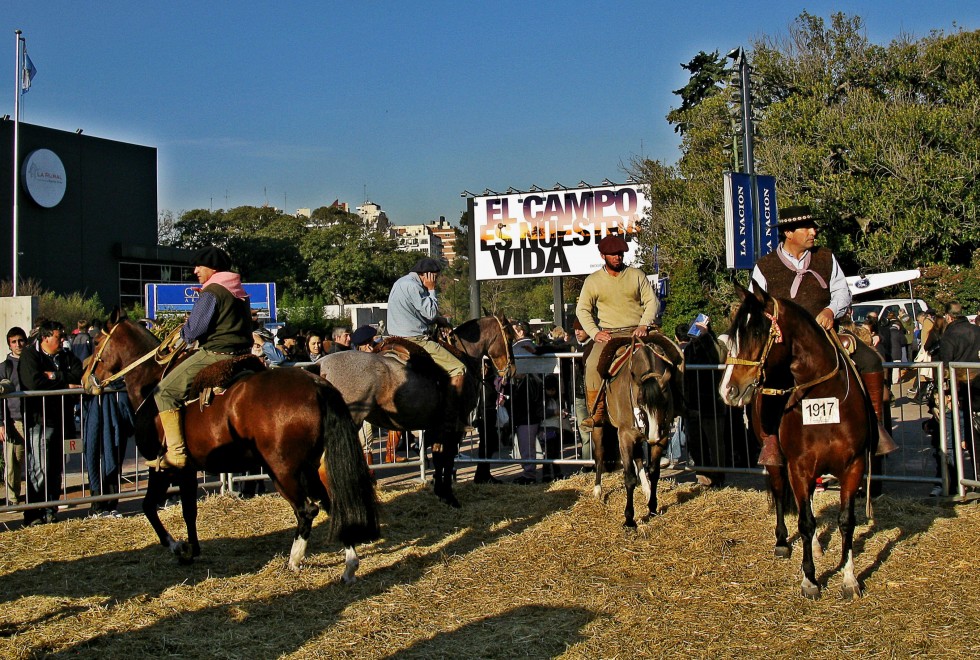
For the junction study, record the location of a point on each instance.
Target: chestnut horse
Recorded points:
(802, 388)
(392, 395)
(286, 421)
(642, 398)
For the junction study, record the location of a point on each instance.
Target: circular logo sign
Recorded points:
(43, 175)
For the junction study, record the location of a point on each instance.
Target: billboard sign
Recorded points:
(553, 233)
(179, 298)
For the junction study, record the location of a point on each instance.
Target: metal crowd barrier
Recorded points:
(717, 442)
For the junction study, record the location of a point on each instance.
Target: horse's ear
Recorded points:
(486, 312)
(742, 292)
(760, 294)
(116, 316)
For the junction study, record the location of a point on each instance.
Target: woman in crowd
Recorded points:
(314, 346)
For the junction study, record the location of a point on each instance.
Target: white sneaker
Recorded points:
(664, 462)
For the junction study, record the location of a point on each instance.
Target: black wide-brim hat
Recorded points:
(795, 217)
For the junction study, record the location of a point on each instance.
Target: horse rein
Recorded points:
(776, 337)
(163, 359)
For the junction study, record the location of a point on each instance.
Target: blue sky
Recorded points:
(404, 103)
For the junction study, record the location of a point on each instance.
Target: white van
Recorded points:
(860, 310)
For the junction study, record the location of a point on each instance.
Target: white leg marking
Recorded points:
(597, 492)
(809, 589)
(851, 586)
(351, 564)
(644, 479)
(297, 554)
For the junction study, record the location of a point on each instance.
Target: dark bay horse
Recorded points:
(802, 388)
(391, 395)
(287, 421)
(642, 398)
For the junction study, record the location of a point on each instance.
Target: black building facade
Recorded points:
(101, 237)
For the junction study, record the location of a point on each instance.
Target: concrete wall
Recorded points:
(20, 311)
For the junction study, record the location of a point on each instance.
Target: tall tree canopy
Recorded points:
(882, 141)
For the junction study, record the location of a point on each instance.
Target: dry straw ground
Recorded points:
(519, 571)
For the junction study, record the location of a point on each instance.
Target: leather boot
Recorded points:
(173, 435)
(875, 384)
(596, 402)
(770, 454)
(391, 448)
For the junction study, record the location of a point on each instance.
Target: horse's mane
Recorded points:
(145, 340)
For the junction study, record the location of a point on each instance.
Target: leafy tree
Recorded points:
(881, 140)
(707, 73)
(347, 261)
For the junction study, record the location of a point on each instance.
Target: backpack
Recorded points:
(81, 345)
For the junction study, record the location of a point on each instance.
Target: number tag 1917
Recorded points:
(821, 411)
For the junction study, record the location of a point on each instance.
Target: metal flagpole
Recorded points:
(17, 85)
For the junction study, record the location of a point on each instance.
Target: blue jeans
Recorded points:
(678, 442)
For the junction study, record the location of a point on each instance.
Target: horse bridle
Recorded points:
(776, 337)
(509, 366)
(636, 344)
(162, 358)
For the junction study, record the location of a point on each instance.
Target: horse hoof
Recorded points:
(630, 525)
(451, 500)
(184, 554)
(782, 552)
(811, 591)
(849, 592)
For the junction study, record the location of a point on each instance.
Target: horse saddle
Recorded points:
(848, 342)
(616, 353)
(215, 379)
(413, 357)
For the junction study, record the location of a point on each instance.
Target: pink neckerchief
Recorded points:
(229, 280)
(803, 269)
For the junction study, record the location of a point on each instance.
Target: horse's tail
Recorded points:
(353, 505)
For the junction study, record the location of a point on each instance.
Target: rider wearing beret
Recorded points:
(616, 301)
(221, 323)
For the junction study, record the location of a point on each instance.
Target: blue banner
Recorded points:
(739, 234)
(766, 194)
(179, 298)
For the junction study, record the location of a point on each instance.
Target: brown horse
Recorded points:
(391, 395)
(286, 421)
(802, 388)
(642, 398)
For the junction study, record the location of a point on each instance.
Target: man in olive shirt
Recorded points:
(221, 323)
(616, 301)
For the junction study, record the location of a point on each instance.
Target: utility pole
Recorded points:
(742, 80)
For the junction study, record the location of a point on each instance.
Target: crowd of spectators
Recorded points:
(542, 410)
